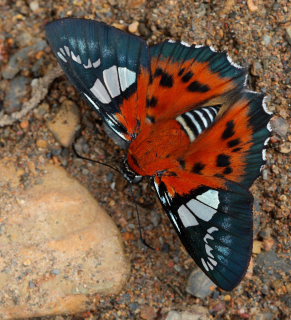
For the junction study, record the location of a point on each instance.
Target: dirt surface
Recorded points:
(256, 34)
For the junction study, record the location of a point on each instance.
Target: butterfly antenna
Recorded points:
(138, 221)
(136, 208)
(92, 160)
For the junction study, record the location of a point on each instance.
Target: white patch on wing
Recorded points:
(246, 79)
(208, 237)
(212, 229)
(92, 102)
(210, 265)
(201, 210)
(100, 92)
(110, 77)
(269, 127)
(267, 141)
(233, 63)
(187, 217)
(200, 114)
(195, 123)
(62, 51)
(76, 58)
(208, 250)
(171, 41)
(89, 64)
(209, 114)
(204, 264)
(67, 50)
(211, 260)
(126, 77)
(62, 57)
(264, 154)
(210, 197)
(186, 44)
(265, 106)
(214, 262)
(186, 128)
(97, 63)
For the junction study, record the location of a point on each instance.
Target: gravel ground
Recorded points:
(256, 34)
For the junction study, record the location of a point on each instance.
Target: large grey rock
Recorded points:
(58, 247)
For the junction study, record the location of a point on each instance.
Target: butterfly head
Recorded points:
(129, 174)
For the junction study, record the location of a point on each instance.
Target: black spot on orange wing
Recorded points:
(236, 149)
(223, 160)
(151, 119)
(152, 102)
(198, 167)
(166, 80)
(181, 71)
(196, 86)
(233, 143)
(229, 130)
(182, 163)
(158, 72)
(227, 170)
(188, 76)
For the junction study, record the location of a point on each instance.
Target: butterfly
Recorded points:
(187, 120)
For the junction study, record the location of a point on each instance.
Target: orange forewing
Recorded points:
(178, 96)
(133, 110)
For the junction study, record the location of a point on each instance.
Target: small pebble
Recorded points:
(267, 39)
(285, 147)
(134, 306)
(280, 126)
(199, 285)
(133, 27)
(41, 143)
(251, 5)
(227, 297)
(135, 3)
(264, 316)
(27, 262)
(147, 313)
(268, 244)
(55, 271)
(257, 246)
(144, 30)
(34, 5)
(288, 34)
(24, 124)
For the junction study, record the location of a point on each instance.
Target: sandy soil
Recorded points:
(257, 35)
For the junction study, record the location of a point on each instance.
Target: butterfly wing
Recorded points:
(188, 76)
(215, 226)
(108, 66)
(206, 196)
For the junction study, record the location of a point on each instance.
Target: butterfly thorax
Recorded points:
(151, 153)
